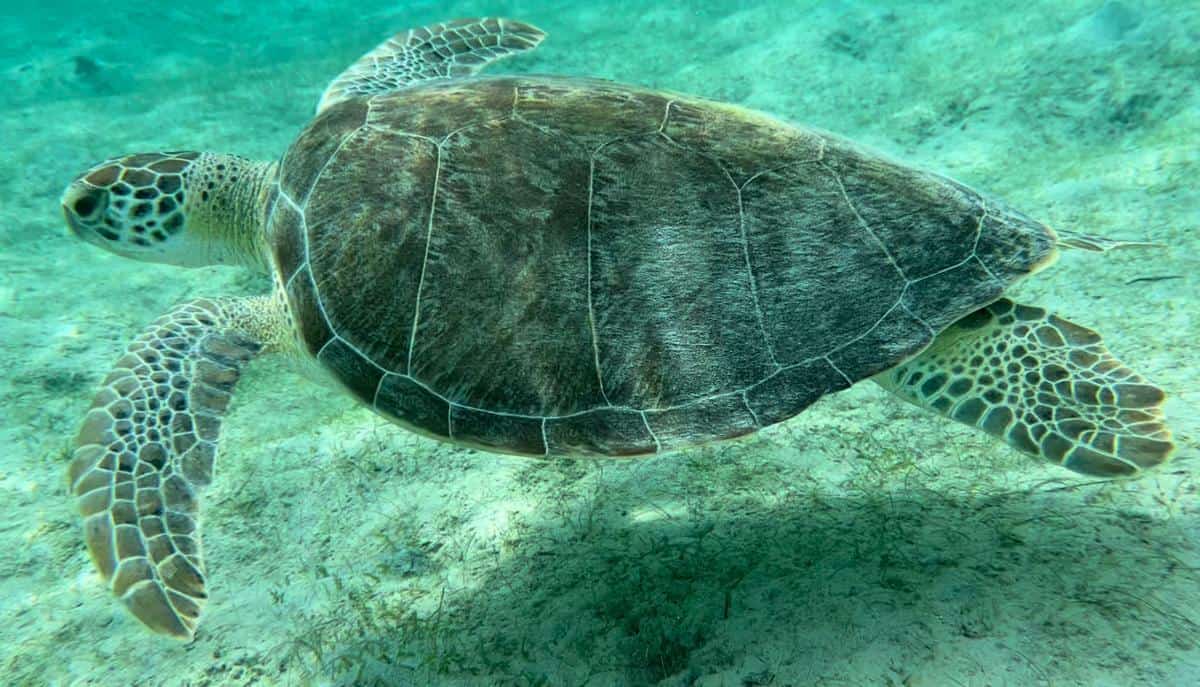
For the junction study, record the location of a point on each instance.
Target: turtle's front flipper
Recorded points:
(441, 51)
(1045, 385)
(146, 447)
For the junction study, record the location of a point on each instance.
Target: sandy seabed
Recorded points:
(862, 543)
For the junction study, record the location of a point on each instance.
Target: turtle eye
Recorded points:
(88, 204)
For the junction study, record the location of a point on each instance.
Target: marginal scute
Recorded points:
(1011, 244)
(498, 432)
(404, 398)
(604, 431)
(793, 389)
(694, 422)
(359, 375)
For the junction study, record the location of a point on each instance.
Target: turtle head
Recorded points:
(181, 208)
(134, 206)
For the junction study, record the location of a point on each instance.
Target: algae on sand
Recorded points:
(863, 542)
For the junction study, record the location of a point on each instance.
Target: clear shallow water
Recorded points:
(864, 542)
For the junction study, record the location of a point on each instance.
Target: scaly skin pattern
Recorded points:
(1045, 386)
(147, 448)
(181, 208)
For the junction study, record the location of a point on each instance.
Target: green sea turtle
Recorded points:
(545, 265)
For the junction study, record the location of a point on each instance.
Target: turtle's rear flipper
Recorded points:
(146, 446)
(1045, 385)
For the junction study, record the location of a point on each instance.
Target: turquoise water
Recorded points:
(863, 543)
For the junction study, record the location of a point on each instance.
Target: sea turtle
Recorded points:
(547, 265)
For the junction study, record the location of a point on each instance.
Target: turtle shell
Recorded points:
(564, 266)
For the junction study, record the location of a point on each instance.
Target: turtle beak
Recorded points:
(72, 222)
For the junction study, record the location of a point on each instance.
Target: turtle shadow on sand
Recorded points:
(911, 586)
